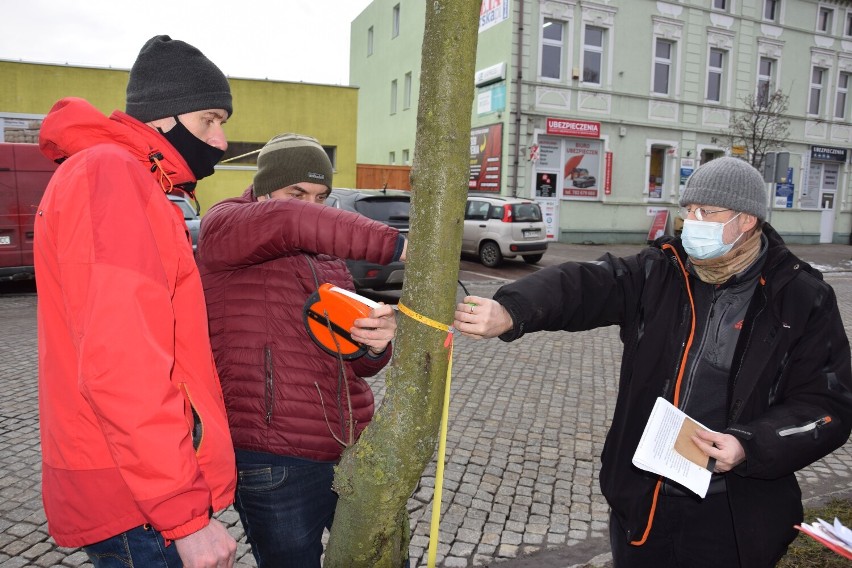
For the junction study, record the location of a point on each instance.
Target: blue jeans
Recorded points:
(284, 510)
(142, 546)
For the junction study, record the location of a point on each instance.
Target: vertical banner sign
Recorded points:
(486, 150)
(582, 163)
(608, 174)
(784, 191)
(492, 12)
(550, 212)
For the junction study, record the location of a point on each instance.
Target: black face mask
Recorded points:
(200, 155)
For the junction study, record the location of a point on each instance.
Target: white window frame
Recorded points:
(394, 93)
(369, 41)
(392, 158)
(406, 92)
(841, 97)
(600, 50)
(669, 63)
(769, 80)
(668, 187)
(560, 44)
(776, 8)
(395, 25)
(405, 157)
(816, 89)
(721, 5)
(720, 71)
(825, 19)
(847, 30)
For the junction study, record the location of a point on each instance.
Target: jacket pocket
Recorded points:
(269, 383)
(193, 419)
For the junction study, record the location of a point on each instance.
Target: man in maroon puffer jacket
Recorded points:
(292, 407)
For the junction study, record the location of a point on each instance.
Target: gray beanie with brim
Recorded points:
(171, 77)
(729, 183)
(289, 159)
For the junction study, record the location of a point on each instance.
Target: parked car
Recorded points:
(389, 206)
(190, 216)
(24, 174)
(498, 227)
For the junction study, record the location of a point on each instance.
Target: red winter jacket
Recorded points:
(282, 392)
(133, 426)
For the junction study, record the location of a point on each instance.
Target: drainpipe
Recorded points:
(519, 77)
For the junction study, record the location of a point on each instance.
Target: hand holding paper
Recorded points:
(667, 448)
(725, 449)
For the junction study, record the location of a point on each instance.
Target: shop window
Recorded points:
(657, 171)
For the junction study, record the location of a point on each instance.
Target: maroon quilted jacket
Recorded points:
(282, 393)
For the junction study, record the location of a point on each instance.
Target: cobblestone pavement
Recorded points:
(527, 425)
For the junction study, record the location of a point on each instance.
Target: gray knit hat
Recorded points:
(727, 182)
(171, 77)
(289, 159)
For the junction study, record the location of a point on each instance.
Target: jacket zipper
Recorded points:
(815, 426)
(269, 387)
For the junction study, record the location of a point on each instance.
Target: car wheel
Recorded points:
(532, 258)
(489, 254)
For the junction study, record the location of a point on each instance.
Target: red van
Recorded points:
(24, 173)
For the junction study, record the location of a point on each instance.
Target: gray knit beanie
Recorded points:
(727, 182)
(171, 77)
(289, 159)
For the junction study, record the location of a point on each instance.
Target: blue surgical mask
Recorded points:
(704, 239)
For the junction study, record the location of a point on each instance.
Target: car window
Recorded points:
(385, 210)
(476, 210)
(496, 212)
(524, 212)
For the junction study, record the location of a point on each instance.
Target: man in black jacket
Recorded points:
(729, 326)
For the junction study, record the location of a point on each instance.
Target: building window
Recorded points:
(847, 31)
(392, 158)
(405, 157)
(817, 78)
(406, 94)
(842, 92)
(657, 171)
(765, 80)
(720, 5)
(770, 10)
(825, 17)
(393, 97)
(662, 65)
(715, 69)
(551, 49)
(369, 41)
(593, 55)
(395, 31)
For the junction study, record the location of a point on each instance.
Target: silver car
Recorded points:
(190, 216)
(498, 227)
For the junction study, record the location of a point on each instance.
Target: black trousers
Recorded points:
(687, 533)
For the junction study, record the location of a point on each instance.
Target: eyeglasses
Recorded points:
(700, 212)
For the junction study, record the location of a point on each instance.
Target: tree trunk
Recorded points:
(378, 474)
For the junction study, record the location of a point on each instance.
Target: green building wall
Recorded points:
(262, 109)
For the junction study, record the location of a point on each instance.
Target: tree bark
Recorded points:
(378, 474)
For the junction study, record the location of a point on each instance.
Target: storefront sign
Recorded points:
(486, 151)
(827, 153)
(492, 12)
(784, 192)
(582, 128)
(491, 99)
(490, 74)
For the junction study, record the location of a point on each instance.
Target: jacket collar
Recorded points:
(74, 125)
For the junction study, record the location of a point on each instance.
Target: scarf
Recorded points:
(719, 270)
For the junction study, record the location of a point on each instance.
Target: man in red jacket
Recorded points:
(292, 407)
(136, 451)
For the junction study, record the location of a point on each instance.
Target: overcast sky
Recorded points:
(286, 40)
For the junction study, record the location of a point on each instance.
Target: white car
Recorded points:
(498, 227)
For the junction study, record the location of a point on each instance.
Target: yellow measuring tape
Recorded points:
(442, 441)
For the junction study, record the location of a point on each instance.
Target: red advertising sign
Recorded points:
(608, 173)
(658, 227)
(565, 127)
(486, 151)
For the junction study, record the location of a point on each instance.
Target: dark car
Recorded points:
(190, 215)
(389, 206)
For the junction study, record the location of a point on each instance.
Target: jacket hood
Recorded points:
(74, 125)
